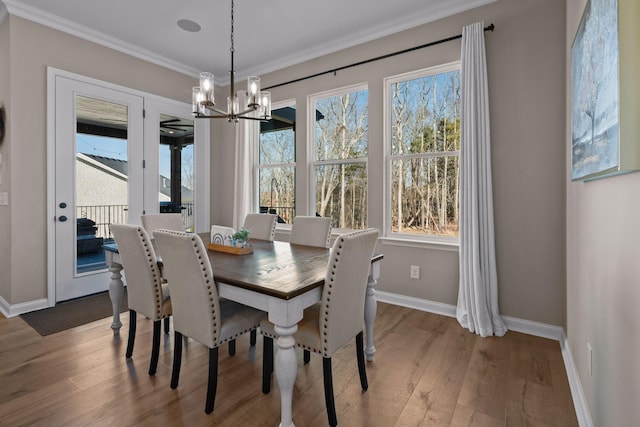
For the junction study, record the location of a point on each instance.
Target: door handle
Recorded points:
(62, 205)
(62, 218)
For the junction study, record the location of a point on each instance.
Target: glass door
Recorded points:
(177, 168)
(178, 181)
(98, 136)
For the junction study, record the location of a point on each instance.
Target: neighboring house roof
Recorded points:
(122, 167)
(116, 164)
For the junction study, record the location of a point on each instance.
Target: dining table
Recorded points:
(279, 278)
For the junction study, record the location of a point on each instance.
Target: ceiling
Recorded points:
(269, 34)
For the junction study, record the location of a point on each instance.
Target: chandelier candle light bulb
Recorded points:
(265, 105)
(253, 89)
(197, 104)
(206, 83)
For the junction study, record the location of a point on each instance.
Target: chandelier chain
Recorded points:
(232, 49)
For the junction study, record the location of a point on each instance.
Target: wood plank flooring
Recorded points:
(427, 371)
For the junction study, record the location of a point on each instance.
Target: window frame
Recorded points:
(389, 234)
(257, 166)
(312, 162)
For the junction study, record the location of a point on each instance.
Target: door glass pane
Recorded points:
(177, 169)
(101, 178)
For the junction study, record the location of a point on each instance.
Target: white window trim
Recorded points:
(311, 142)
(408, 239)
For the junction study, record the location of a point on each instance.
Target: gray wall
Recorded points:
(5, 213)
(603, 273)
(526, 66)
(26, 229)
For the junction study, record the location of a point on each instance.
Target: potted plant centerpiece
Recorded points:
(239, 238)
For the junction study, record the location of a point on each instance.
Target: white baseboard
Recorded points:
(577, 393)
(518, 325)
(9, 310)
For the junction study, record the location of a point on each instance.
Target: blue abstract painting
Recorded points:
(595, 148)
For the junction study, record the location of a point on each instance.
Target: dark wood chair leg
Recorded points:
(252, 337)
(362, 370)
(132, 333)
(177, 359)
(166, 325)
(306, 356)
(328, 391)
(232, 348)
(267, 364)
(155, 347)
(213, 380)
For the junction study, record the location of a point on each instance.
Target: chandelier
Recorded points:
(256, 107)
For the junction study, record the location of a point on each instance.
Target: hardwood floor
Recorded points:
(427, 371)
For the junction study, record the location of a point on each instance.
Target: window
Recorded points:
(422, 115)
(277, 164)
(340, 145)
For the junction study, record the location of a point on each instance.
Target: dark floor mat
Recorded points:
(72, 313)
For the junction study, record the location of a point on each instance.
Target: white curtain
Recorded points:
(246, 145)
(477, 308)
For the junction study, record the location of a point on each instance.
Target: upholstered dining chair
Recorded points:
(261, 226)
(167, 221)
(198, 312)
(330, 324)
(311, 231)
(146, 292)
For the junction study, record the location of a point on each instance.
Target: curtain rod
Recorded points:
(366, 61)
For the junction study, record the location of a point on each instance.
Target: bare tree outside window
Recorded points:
(340, 167)
(276, 165)
(425, 152)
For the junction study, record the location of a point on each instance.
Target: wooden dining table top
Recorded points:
(277, 269)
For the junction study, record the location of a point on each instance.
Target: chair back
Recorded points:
(167, 221)
(345, 285)
(142, 274)
(261, 226)
(194, 296)
(311, 231)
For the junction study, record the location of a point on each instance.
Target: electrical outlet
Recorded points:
(589, 359)
(415, 271)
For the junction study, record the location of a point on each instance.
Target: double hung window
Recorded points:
(277, 164)
(339, 141)
(422, 118)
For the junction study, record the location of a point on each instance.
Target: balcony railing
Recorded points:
(285, 213)
(104, 215)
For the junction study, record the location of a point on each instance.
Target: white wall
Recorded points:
(603, 274)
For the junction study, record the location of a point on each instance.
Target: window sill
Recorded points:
(424, 244)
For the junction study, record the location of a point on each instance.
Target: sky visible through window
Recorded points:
(114, 148)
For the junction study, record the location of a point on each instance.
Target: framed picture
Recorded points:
(605, 136)
(595, 92)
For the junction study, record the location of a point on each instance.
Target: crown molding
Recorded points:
(38, 16)
(3, 12)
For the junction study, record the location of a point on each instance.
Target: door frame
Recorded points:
(201, 154)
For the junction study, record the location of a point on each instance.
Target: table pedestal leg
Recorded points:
(116, 291)
(286, 370)
(370, 308)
